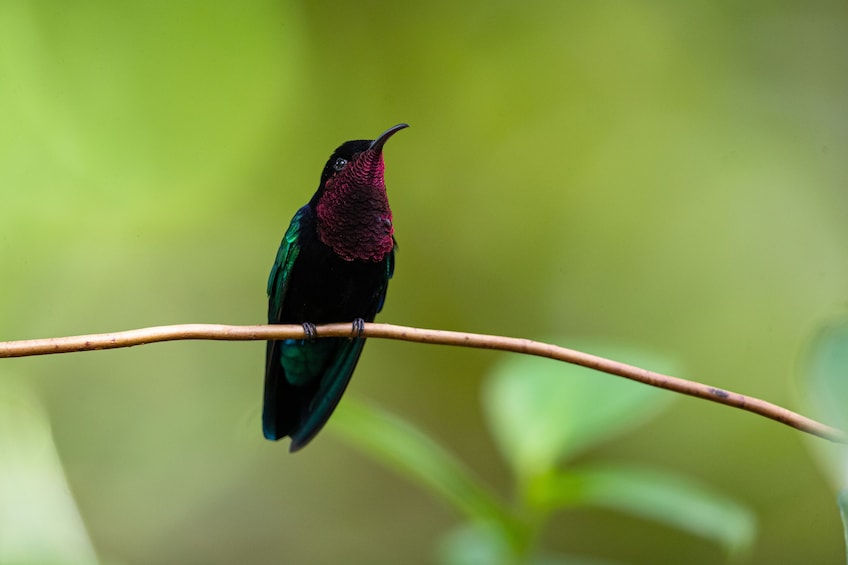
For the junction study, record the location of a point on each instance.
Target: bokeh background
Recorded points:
(671, 175)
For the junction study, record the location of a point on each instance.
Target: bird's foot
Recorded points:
(309, 330)
(358, 328)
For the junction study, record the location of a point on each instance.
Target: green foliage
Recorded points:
(40, 523)
(543, 413)
(398, 443)
(652, 494)
(826, 372)
(842, 500)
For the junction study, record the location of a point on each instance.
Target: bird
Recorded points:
(333, 265)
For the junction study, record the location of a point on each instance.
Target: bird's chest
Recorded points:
(325, 288)
(355, 224)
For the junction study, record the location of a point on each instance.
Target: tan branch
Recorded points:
(388, 331)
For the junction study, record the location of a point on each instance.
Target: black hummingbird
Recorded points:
(333, 265)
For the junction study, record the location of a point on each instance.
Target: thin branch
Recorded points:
(388, 331)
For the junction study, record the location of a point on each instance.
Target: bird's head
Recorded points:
(358, 163)
(352, 208)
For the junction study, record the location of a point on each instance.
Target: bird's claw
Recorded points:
(309, 330)
(358, 328)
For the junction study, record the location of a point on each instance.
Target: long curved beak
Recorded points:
(377, 144)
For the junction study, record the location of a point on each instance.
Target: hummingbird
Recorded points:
(333, 265)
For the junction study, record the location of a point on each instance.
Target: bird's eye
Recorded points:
(340, 163)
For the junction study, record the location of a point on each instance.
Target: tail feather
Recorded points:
(300, 407)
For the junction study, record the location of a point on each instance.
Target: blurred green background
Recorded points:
(671, 175)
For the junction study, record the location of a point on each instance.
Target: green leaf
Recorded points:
(547, 559)
(476, 543)
(39, 519)
(842, 500)
(550, 559)
(482, 544)
(397, 443)
(655, 495)
(541, 410)
(826, 370)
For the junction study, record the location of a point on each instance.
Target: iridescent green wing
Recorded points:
(278, 281)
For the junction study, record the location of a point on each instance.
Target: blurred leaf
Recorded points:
(826, 369)
(842, 500)
(477, 543)
(547, 559)
(39, 520)
(542, 410)
(656, 495)
(400, 445)
(483, 544)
